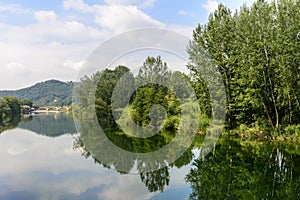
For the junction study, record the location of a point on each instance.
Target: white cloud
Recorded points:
(184, 30)
(123, 18)
(17, 68)
(13, 66)
(211, 5)
(45, 16)
(49, 24)
(13, 8)
(49, 48)
(120, 2)
(54, 45)
(138, 3)
(27, 64)
(117, 16)
(73, 64)
(76, 4)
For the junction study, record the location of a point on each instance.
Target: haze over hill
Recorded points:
(48, 93)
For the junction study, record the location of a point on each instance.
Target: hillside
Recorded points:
(52, 93)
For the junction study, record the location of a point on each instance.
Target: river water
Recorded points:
(41, 158)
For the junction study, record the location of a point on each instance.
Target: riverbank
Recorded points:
(290, 133)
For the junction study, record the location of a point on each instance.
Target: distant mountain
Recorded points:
(48, 93)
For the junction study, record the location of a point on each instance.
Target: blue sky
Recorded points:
(50, 39)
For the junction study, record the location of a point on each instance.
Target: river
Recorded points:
(43, 157)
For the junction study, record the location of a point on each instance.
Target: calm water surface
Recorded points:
(41, 158)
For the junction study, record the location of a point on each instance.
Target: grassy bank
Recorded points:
(287, 133)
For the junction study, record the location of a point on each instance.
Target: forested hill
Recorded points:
(51, 92)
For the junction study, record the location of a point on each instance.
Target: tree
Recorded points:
(106, 82)
(14, 105)
(256, 51)
(157, 86)
(26, 102)
(5, 110)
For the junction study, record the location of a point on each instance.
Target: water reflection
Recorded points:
(51, 125)
(9, 123)
(235, 169)
(92, 145)
(247, 170)
(38, 167)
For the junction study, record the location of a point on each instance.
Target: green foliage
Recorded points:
(256, 50)
(154, 70)
(26, 102)
(292, 130)
(171, 123)
(10, 107)
(50, 93)
(157, 86)
(10, 113)
(149, 93)
(204, 123)
(106, 81)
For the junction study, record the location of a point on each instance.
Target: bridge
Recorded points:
(52, 109)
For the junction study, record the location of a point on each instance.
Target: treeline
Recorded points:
(257, 51)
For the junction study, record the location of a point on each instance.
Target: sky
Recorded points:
(50, 39)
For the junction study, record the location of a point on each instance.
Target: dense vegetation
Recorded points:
(147, 99)
(10, 107)
(50, 93)
(256, 49)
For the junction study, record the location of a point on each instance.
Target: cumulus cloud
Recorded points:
(45, 16)
(211, 5)
(122, 18)
(53, 45)
(117, 16)
(77, 5)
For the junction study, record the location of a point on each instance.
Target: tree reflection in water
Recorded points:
(235, 169)
(11, 122)
(247, 170)
(92, 144)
